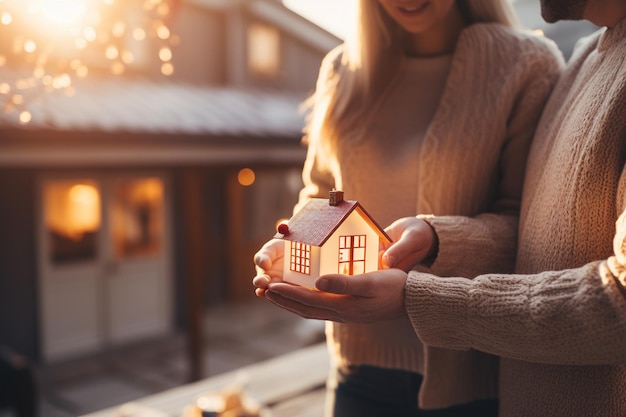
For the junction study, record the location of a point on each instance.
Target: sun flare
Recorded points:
(62, 11)
(46, 44)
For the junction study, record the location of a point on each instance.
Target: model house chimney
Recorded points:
(335, 197)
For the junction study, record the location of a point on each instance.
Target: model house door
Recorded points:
(105, 273)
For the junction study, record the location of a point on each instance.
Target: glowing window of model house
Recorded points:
(300, 259)
(352, 254)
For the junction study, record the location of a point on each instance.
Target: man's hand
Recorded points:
(413, 241)
(365, 298)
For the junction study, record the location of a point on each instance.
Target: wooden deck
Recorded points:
(291, 385)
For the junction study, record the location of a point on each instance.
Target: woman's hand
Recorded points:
(268, 262)
(365, 298)
(413, 241)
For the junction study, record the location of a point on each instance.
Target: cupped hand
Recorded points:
(365, 298)
(268, 262)
(413, 241)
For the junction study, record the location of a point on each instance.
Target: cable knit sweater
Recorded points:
(559, 324)
(470, 162)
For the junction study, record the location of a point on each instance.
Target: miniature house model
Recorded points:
(329, 237)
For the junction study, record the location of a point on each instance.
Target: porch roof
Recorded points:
(118, 120)
(116, 104)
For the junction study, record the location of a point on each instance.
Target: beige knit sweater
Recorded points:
(470, 162)
(560, 324)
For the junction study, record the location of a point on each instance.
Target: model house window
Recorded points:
(300, 259)
(263, 50)
(352, 254)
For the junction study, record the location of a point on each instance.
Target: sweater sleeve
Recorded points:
(469, 246)
(569, 317)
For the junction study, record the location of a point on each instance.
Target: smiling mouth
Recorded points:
(414, 9)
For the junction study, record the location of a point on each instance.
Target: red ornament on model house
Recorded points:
(328, 237)
(283, 228)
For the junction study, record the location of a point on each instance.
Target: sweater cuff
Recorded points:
(438, 309)
(453, 234)
(434, 250)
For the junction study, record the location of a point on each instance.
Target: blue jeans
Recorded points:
(369, 391)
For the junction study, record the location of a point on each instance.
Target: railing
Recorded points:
(290, 385)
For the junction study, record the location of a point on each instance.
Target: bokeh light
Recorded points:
(47, 44)
(246, 177)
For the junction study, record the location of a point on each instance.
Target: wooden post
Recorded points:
(193, 222)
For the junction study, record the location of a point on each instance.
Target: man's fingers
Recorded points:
(303, 310)
(402, 261)
(405, 253)
(357, 285)
(303, 301)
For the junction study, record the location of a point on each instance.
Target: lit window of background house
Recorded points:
(264, 50)
(72, 220)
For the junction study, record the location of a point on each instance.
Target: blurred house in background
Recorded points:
(142, 193)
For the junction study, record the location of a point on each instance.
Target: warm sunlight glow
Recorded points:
(47, 44)
(6, 18)
(332, 15)
(62, 12)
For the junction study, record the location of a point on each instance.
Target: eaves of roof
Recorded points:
(275, 12)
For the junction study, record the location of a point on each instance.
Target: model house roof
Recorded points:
(318, 220)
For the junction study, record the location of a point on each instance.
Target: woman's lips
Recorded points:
(413, 9)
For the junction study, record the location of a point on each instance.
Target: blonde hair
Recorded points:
(353, 78)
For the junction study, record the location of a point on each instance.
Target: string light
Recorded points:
(47, 44)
